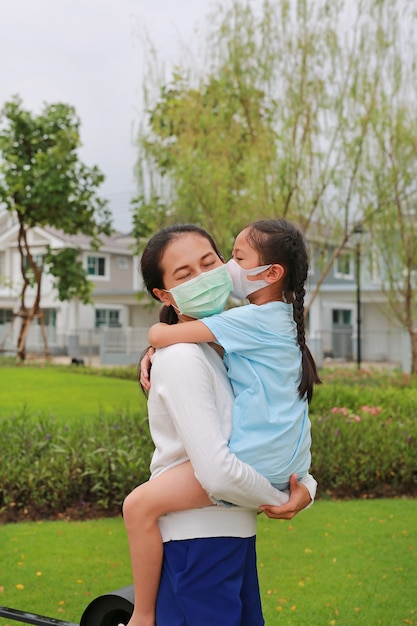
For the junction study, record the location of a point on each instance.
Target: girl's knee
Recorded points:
(139, 507)
(133, 505)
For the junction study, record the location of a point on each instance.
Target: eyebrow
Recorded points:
(186, 266)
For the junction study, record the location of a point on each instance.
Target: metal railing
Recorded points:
(122, 346)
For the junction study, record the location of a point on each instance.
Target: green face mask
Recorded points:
(204, 295)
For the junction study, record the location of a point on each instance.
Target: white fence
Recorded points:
(109, 346)
(339, 345)
(122, 346)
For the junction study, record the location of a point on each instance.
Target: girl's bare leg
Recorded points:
(176, 489)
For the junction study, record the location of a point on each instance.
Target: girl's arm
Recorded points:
(162, 335)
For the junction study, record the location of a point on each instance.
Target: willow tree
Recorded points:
(392, 168)
(43, 183)
(274, 120)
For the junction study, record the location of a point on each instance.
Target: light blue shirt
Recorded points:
(271, 427)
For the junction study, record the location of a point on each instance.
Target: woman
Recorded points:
(209, 568)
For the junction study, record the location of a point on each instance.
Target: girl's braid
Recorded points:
(300, 272)
(280, 241)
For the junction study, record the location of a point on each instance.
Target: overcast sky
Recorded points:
(88, 53)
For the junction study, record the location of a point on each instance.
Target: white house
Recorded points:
(334, 331)
(72, 326)
(115, 325)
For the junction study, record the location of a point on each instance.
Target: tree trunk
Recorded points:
(28, 315)
(413, 341)
(26, 318)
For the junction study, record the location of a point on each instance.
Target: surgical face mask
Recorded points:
(242, 287)
(204, 295)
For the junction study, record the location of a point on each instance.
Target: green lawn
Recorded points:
(66, 395)
(338, 563)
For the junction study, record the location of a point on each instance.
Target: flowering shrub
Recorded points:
(364, 431)
(366, 450)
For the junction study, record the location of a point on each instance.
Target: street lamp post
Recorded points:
(358, 232)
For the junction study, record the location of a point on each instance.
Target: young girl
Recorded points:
(272, 374)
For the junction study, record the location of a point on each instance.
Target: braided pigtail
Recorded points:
(279, 241)
(309, 374)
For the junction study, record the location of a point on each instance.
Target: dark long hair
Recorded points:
(152, 256)
(280, 241)
(151, 269)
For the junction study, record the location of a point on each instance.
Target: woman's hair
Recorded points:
(151, 266)
(280, 241)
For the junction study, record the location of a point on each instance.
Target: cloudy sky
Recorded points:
(89, 53)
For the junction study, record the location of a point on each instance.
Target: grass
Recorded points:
(339, 563)
(66, 395)
(58, 568)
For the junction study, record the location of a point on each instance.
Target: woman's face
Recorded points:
(187, 256)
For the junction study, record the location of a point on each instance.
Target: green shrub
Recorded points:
(364, 430)
(47, 468)
(128, 372)
(364, 453)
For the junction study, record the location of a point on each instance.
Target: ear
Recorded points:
(162, 296)
(275, 273)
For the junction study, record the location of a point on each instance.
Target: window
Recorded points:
(344, 266)
(122, 262)
(5, 316)
(342, 317)
(96, 265)
(49, 317)
(38, 258)
(107, 317)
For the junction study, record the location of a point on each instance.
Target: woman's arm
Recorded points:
(162, 335)
(300, 498)
(185, 380)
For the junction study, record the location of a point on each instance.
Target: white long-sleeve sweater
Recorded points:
(190, 412)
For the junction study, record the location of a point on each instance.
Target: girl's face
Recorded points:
(243, 253)
(187, 256)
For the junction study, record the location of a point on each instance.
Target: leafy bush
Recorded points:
(365, 453)
(125, 372)
(364, 430)
(47, 468)
(129, 372)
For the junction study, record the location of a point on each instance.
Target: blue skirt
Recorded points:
(209, 582)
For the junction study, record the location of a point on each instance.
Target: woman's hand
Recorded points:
(145, 369)
(299, 499)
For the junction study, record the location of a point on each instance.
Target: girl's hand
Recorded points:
(299, 499)
(145, 369)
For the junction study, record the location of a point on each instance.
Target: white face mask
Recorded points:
(242, 287)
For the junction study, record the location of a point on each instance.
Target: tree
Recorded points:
(210, 150)
(43, 182)
(274, 123)
(300, 109)
(392, 167)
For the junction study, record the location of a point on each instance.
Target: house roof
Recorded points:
(116, 243)
(84, 241)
